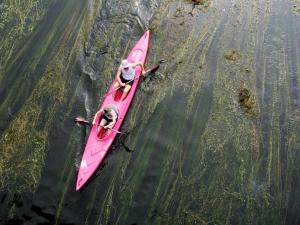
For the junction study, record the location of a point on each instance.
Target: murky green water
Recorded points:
(201, 148)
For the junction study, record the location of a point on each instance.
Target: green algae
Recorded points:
(202, 3)
(296, 6)
(18, 21)
(27, 135)
(107, 206)
(29, 132)
(232, 55)
(199, 2)
(246, 99)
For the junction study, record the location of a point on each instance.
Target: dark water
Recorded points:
(194, 153)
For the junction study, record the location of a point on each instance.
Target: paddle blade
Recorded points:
(153, 69)
(81, 120)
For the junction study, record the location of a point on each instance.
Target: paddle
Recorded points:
(152, 69)
(81, 120)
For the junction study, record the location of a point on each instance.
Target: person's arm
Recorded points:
(94, 120)
(119, 77)
(112, 123)
(141, 65)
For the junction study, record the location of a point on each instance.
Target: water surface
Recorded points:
(194, 153)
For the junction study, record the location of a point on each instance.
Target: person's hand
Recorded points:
(123, 84)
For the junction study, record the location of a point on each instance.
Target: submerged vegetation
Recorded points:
(200, 2)
(18, 19)
(296, 6)
(246, 98)
(25, 141)
(232, 55)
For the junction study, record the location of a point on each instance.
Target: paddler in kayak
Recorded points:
(126, 75)
(108, 118)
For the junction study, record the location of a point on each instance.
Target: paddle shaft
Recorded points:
(82, 120)
(153, 68)
(108, 93)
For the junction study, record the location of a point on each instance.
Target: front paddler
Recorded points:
(126, 75)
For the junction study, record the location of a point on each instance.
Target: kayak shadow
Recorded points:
(121, 142)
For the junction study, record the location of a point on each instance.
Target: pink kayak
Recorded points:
(97, 146)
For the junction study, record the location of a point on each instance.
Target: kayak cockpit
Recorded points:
(118, 94)
(103, 120)
(102, 133)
